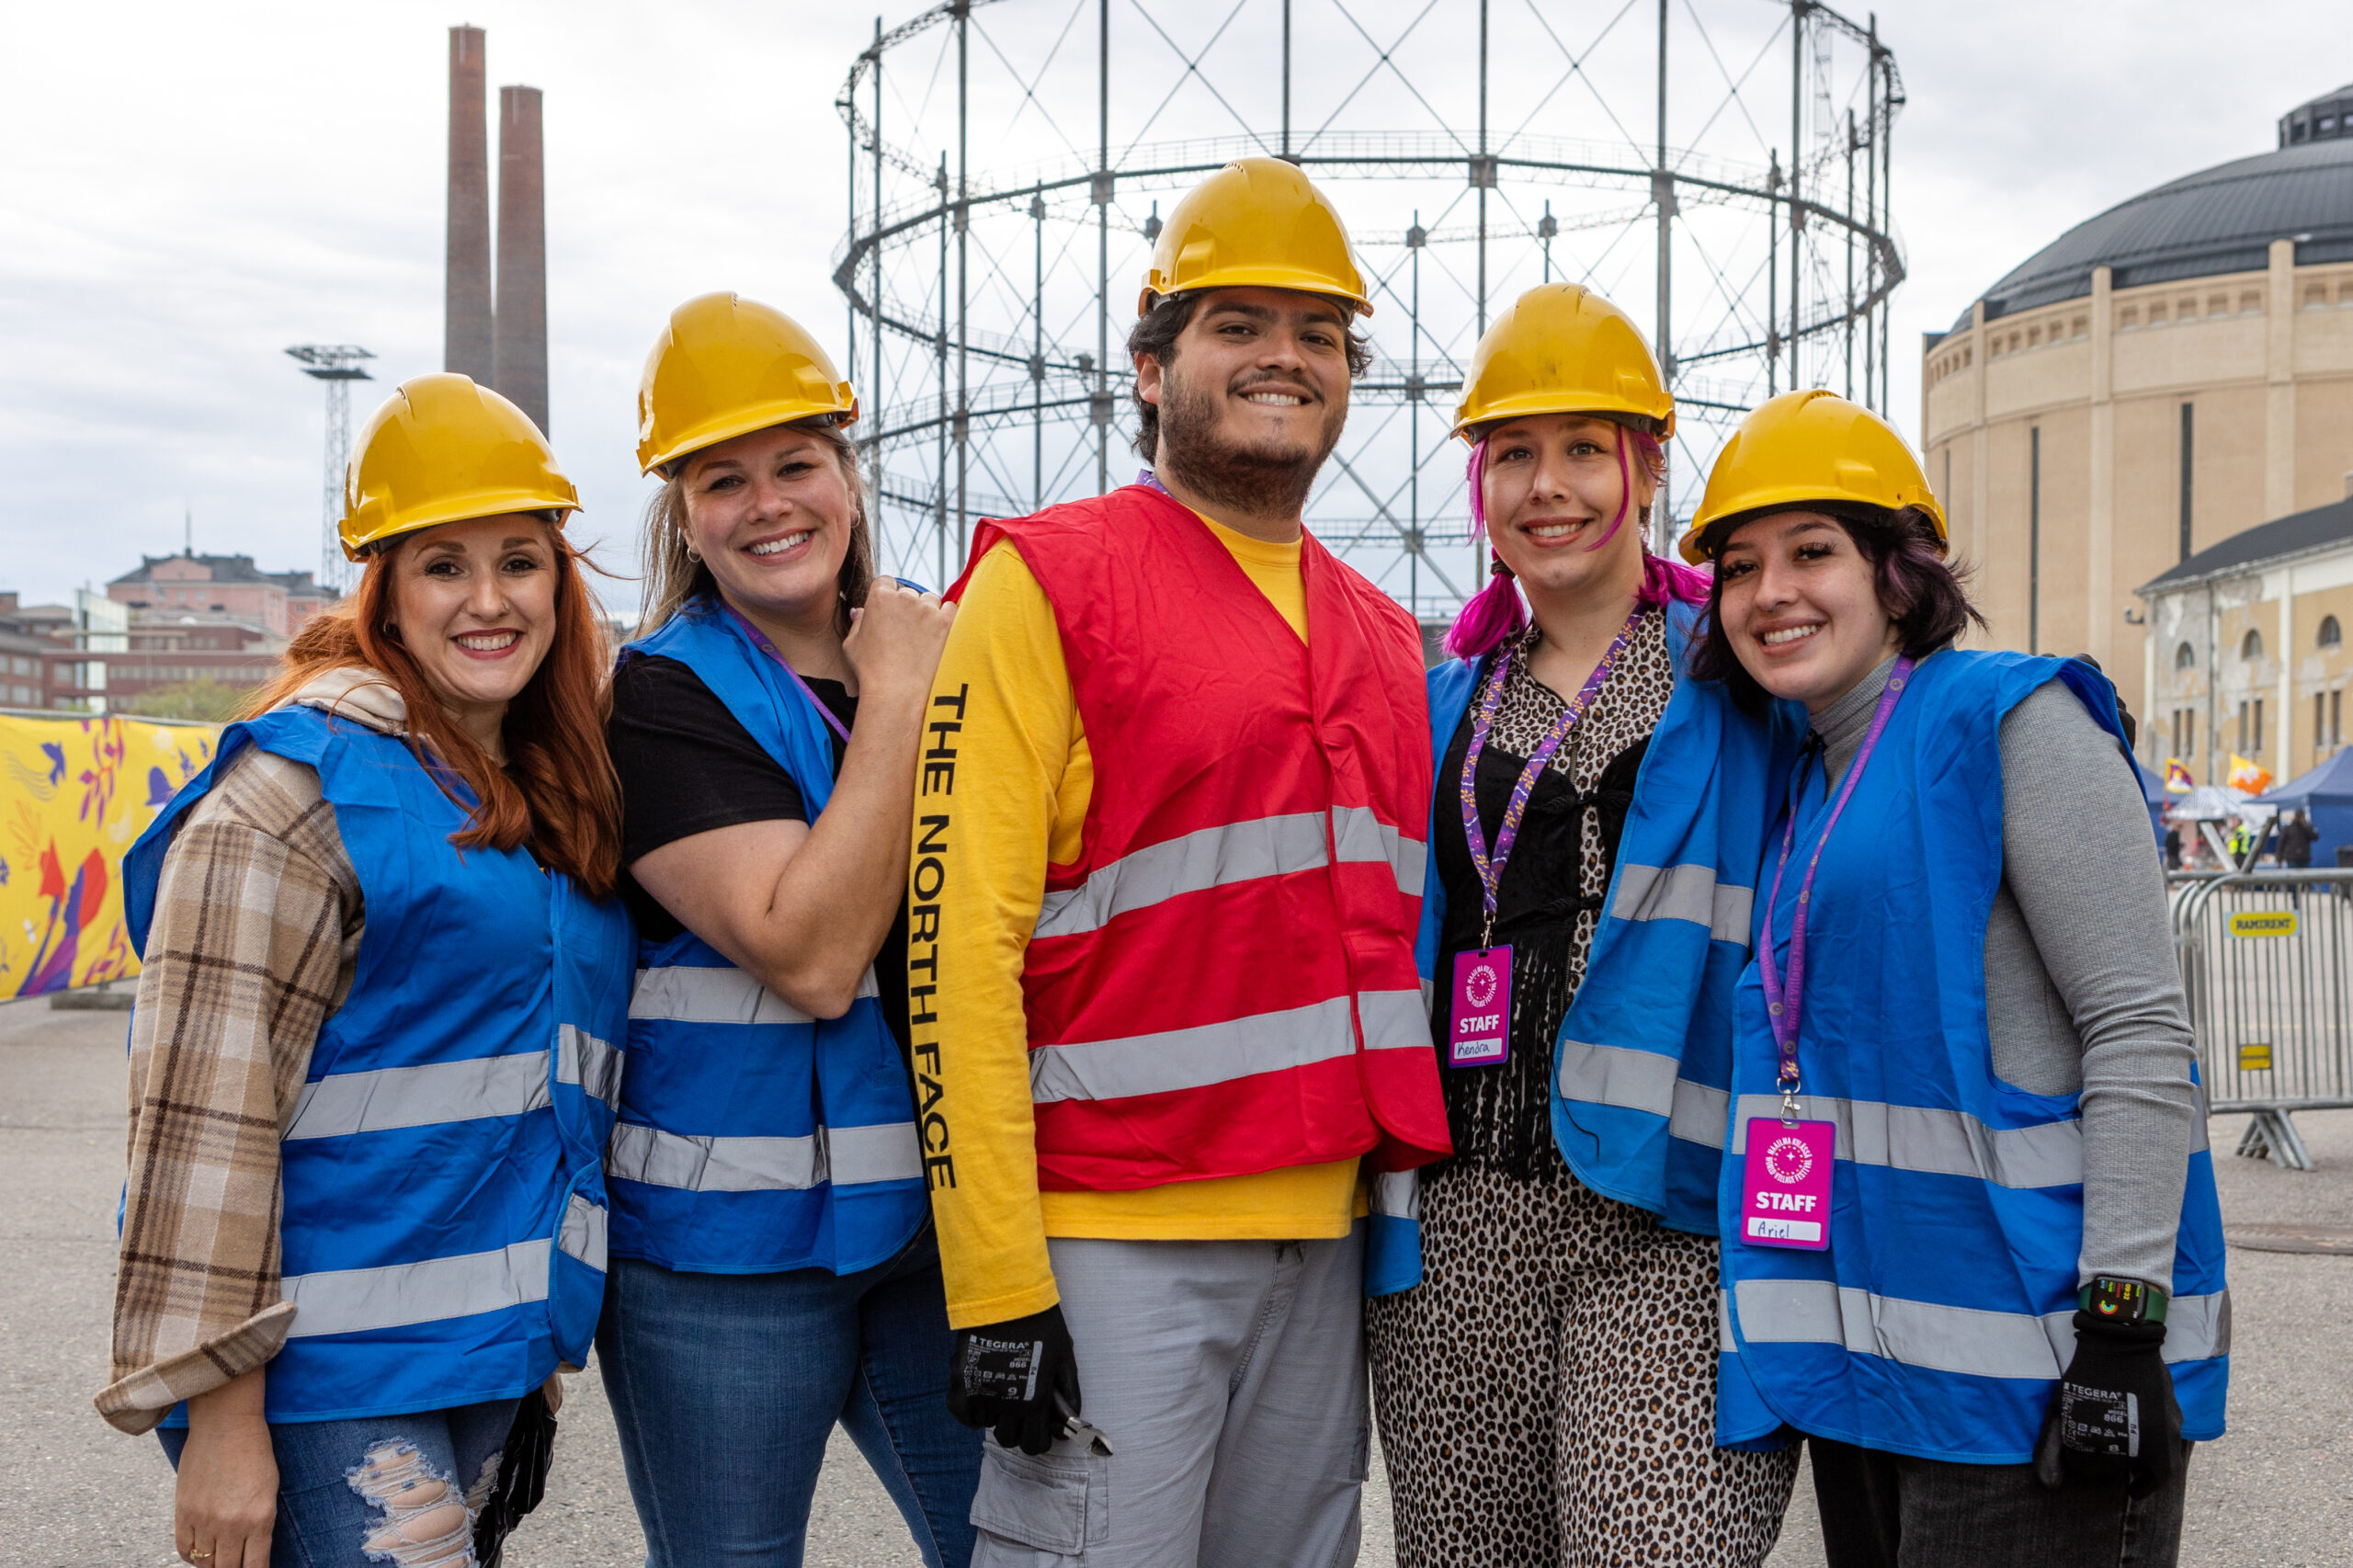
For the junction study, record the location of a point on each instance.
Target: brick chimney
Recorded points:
(521, 327)
(466, 345)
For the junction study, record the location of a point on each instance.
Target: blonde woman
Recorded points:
(774, 1272)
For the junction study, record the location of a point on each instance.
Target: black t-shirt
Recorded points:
(687, 765)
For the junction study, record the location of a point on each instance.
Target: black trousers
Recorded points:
(1881, 1510)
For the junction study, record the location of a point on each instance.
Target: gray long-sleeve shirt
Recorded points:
(2082, 992)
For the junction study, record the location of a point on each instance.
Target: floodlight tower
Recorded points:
(336, 364)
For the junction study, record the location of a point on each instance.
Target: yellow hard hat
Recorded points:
(442, 450)
(1258, 222)
(1811, 449)
(1561, 348)
(726, 366)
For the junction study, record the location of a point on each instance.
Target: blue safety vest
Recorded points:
(444, 1223)
(1641, 1067)
(752, 1137)
(1938, 1320)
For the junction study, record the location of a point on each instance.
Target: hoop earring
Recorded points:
(694, 556)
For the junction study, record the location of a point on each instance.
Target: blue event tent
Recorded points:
(2327, 793)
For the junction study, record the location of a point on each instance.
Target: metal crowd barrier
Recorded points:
(2267, 959)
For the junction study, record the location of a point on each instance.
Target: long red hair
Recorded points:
(558, 790)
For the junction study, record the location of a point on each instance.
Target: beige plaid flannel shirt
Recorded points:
(254, 939)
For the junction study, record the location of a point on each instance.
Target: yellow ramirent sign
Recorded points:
(75, 792)
(2263, 923)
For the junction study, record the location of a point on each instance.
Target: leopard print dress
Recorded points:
(1547, 1393)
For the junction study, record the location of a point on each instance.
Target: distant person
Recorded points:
(2173, 846)
(1962, 1044)
(385, 984)
(774, 1275)
(2297, 837)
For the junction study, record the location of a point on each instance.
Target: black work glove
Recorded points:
(2114, 1418)
(1010, 1375)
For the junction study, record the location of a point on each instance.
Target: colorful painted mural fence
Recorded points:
(75, 793)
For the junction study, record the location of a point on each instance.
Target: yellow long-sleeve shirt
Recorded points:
(1005, 781)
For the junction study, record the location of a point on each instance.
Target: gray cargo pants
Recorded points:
(1228, 1376)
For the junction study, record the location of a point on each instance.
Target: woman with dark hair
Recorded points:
(384, 991)
(1972, 1246)
(774, 1270)
(1542, 1327)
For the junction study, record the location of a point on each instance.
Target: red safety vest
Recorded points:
(1223, 982)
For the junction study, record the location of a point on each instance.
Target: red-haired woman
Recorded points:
(379, 1029)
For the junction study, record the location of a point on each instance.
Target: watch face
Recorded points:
(2119, 1301)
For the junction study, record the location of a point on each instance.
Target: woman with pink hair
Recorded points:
(1542, 1326)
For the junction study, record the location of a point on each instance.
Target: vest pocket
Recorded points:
(1057, 1502)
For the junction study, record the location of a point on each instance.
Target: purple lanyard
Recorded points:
(1491, 871)
(760, 640)
(1784, 1002)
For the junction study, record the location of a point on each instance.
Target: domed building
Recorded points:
(2160, 379)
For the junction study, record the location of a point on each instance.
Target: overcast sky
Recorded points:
(188, 189)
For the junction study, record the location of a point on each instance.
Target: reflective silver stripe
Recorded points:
(2196, 1326)
(728, 995)
(648, 1154)
(583, 1235)
(1398, 1194)
(344, 1103)
(1644, 1081)
(887, 1153)
(1699, 1113)
(1685, 892)
(1213, 857)
(353, 1301)
(1964, 1340)
(1393, 1019)
(580, 1057)
(1615, 1075)
(1361, 835)
(845, 1154)
(1194, 1058)
(1942, 1142)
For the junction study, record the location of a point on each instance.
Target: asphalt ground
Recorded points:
(2277, 1493)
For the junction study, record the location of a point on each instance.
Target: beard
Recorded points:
(1271, 475)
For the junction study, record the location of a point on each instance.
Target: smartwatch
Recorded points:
(2122, 1301)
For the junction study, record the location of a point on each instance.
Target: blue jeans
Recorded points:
(726, 1386)
(379, 1489)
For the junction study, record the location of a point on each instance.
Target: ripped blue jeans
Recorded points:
(380, 1491)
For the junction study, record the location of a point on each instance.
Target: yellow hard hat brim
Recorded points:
(461, 509)
(742, 421)
(1257, 278)
(1527, 405)
(1697, 549)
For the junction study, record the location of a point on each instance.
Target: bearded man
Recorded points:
(1167, 877)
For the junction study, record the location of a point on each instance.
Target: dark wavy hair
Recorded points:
(1155, 333)
(1925, 595)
